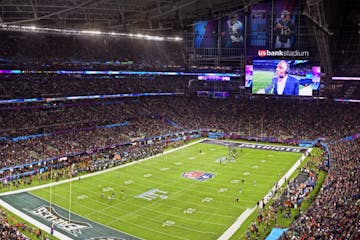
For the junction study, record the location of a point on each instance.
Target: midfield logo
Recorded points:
(198, 175)
(153, 194)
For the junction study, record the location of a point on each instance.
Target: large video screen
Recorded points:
(284, 77)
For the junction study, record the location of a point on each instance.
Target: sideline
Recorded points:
(46, 228)
(241, 219)
(225, 236)
(98, 172)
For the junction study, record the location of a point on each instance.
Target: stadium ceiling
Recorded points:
(116, 15)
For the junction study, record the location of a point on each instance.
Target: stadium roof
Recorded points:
(114, 15)
(334, 25)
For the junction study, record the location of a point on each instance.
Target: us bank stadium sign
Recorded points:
(283, 53)
(72, 227)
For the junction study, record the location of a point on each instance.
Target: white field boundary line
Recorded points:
(241, 219)
(47, 228)
(97, 173)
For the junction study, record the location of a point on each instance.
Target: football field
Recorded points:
(190, 193)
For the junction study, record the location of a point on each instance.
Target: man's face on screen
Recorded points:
(281, 69)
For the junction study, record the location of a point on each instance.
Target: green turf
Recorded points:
(147, 219)
(261, 80)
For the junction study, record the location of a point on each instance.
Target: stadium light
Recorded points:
(25, 28)
(346, 78)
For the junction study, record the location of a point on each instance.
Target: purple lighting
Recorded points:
(346, 78)
(10, 71)
(214, 78)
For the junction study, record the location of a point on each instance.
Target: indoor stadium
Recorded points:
(179, 119)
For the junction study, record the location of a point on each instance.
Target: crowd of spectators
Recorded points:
(76, 127)
(306, 120)
(53, 85)
(84, 127)
(299, 188)
(287, 201)
(12, 229)
(80, 127)
(335, 212)
(343, 90)
(72, 166)
(8, 231)
(263, 117)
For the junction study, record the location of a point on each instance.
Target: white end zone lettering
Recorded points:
(72, 227)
